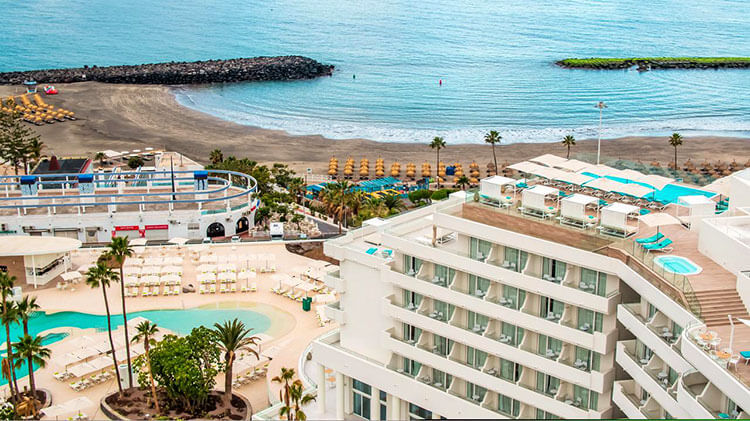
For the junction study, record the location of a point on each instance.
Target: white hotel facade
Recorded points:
(463, 310)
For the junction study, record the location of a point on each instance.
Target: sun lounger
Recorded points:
(654, 238)
(663, 245)
(254, 287)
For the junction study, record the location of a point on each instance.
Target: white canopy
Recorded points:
(573, 178)
(170, 270)
(70, 276)
(131, 270)
(526, 167)
(574, 207)
(173, 260)
(206, 276)
(694, 200)
(548, 159)
(533, 198)
(138, 242)
(603, 184)
(631, 174)
(206, 268)
(73, 405)
(659, 219)
(228, 276)
(246, 274)
(616, 216)
(493, 186)
(150, 279)
(179, 241)
(170, 278)
(657, 181)
(549, 173)
(101, 362)
(207, 258)
(82, 369)
(632, 189)
(150, 270)
(572, 165)
(305, 286)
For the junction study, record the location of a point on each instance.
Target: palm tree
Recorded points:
(492, 138)
(437, 144)
(119, 250)
(26, 307)
(35, 148)
(233, 337)
(34, 352)
(463, 181)
(145, 331)
(394, 203)
(675, 140)
(216, 156)
(101, 276)
(292, 395)
(9, 316)
(569, 141)
(299, 398)
(337, 197)
(100, 156)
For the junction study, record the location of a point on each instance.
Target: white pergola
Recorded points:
(534, 197)
(573, 209)
(614, 218)
(549, 160)
(492, 187)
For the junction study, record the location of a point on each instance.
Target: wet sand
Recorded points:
(125, 117)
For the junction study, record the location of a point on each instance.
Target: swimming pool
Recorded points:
(180, 321)
(670, 193)
(678, 264)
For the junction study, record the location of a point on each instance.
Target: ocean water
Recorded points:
(495, 60)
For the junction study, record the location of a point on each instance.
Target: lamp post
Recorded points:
(601, 106)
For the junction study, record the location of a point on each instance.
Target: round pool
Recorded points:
(678, 264)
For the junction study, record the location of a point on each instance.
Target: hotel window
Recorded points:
(474, 392)
(587, 360)
(513, 297)
(383, 406)
(553, 270)
(549, 347)
(549, 385)
(412, 265)
(515, 259)
(418, 413)
(444, 275)
(411, 367)
(589, 321)
(642, 352)
(361, 399)
(513, 333)
(509, 370)
(442, 346)
(672, 376)
(444, 310)
(411, 333)
(478, 286)
(412, 300)
(585, 398)
(508, 406)
(593, 282)
(651, 311)
(551, 309)
(475, 358)
(542, 415)
(479, 249)
(476, 322)
(441, 379)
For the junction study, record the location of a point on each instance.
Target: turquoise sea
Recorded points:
(495, 60)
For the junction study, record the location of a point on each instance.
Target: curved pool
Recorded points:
(678, 264)
(259, 317)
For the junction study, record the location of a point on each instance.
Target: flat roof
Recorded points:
(28, 245)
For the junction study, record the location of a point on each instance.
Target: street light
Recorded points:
(601, 106)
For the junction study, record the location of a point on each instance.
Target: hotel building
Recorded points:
(469, 308)
(157, 204)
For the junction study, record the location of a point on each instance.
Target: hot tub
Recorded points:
(678, 264)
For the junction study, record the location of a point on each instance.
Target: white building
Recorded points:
(468, 309)
(156, 205)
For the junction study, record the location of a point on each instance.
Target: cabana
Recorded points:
(694, 208)
(573, 210)
(572, 165)
(491, 189)
(614, 220)
(548, 160)
(534, 201)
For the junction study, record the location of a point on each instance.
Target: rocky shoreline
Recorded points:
(656, 63)
(182, 73)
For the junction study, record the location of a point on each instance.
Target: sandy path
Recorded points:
(124, 117)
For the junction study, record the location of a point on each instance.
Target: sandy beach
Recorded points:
(125, 117)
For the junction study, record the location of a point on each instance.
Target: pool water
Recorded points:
(670, 193)
(678, 264)
(180, 321)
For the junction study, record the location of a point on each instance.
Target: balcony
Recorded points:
(652, 376)
(333, 311)
(634, 322)
(334, 280)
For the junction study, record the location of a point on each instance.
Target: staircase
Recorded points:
(717, 304)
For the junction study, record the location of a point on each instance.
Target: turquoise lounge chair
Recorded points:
(654, 238)
(662, 245)
(644, 212)
(371, 250)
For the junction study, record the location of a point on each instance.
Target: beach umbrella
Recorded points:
(180, 241)
(658, 219)
(138, 242)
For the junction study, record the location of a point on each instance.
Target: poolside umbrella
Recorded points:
(658, 219)
(138, 242)
(180, 241)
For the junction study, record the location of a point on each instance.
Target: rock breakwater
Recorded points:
(654, 63)
(182, 73)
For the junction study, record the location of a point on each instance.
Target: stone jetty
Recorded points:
(182, 73)
(654, 63)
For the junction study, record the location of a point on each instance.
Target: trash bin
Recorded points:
(306, 303)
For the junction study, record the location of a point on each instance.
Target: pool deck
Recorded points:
(287, 342)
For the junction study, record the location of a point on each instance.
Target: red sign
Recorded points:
(127, 228)
(156, 227)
